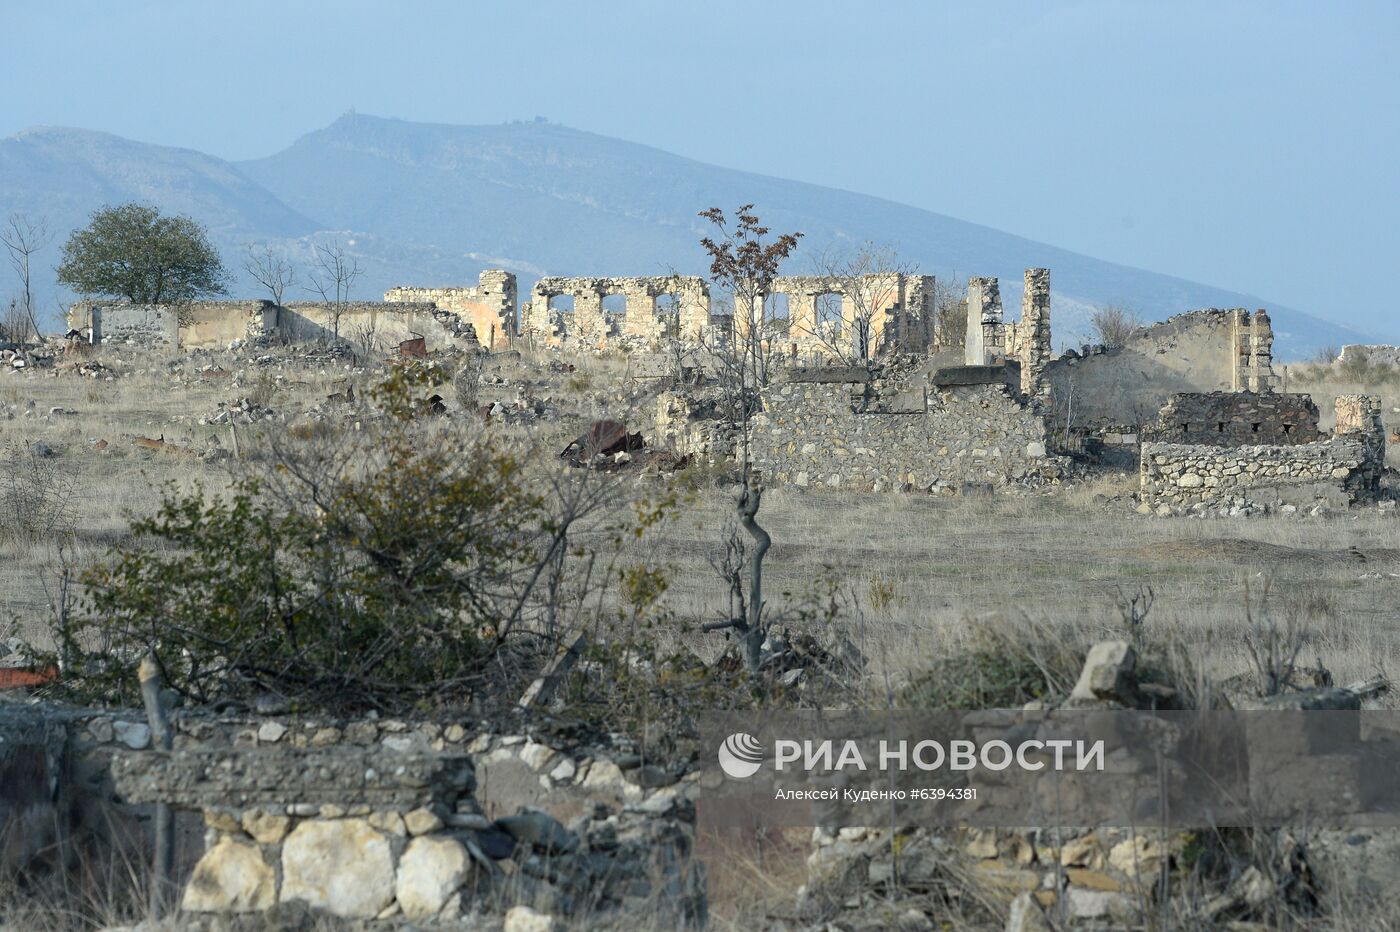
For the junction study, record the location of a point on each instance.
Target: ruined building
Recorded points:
(990, 341)
(490, 307)
(1247, 449)
(575, 312)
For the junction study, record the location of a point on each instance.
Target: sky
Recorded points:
(1250, 145)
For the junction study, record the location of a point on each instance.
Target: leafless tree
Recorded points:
(949, 312)
(332, 279)
(744, 263)
(868, 279)
(271, 270)
(22, 237)
(1114, 324)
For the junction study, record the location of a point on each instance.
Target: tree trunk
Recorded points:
(748, 503)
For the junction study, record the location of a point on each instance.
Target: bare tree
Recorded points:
(271, 270)
(1114, 324)
(333, 277)
(868, 279)
(22, 237)
(744, 263)
(949, 312)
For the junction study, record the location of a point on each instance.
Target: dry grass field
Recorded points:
(914, 578)
(918, 575)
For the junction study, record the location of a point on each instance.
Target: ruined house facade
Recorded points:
(645, 311)
(992, 341)
(1248, 449)
(490, 307)
(376, 326)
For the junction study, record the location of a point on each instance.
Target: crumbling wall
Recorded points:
(939, 438)
(1339, 470)
(984, 342)
(1032, 333)
(490, 307)
(1376, 354)
(1254, 352)
(1127, 386)
(643, 322)
(192, 325)
(376, 326)
(879, 313)
(1235, 419)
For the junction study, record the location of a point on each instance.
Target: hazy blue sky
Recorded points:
(1253, 145)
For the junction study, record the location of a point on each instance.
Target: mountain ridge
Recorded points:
(424, 203)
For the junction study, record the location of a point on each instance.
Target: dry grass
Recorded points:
(925, 574)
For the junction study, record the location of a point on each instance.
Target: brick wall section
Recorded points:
(1234, 419)
(831, 434)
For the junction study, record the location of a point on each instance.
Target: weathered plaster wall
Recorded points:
(196, 325)
(490, 307)
(643, 322)
(380, 326)
(1128, 385)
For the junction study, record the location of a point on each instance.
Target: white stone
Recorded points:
(430, 871)
(525, 919)
(232, 877)
(422, 821)
(271, 732)
(1190, 481)
(538, 757)
(344, 867)
(267, 828)
(135, 735)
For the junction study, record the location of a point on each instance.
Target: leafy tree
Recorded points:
(133, 252)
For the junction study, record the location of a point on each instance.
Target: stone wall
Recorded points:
(1254, 352)
(1376, 354)
(490, 307)
(376, 326)
(890, 312)
(984, 342)
(1332, 471)
(1234, 419)
(369, 818)
(1031, 342)
(940, 437)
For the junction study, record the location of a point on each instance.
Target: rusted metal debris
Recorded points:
(414, 348)
(603, 438)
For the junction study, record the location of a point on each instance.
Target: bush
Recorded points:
(1114, 324)
(1003, 667)
(382, 569)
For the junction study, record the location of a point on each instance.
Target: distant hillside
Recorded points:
(431, 204)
